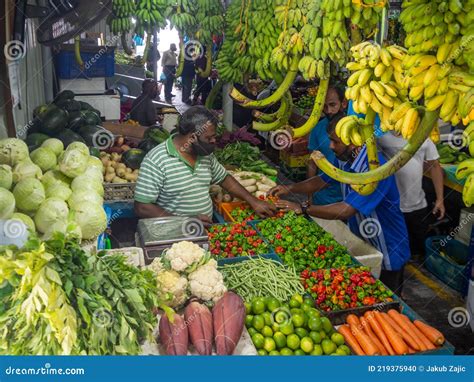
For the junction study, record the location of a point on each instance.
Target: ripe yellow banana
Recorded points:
(436, 102)
(464, 168)
(409, 123)
(366, 94)
(468, 191)
(399, 112)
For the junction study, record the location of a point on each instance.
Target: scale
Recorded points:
(157, 234)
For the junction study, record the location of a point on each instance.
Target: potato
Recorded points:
(102, 154)
(130, 177)
(109, 177)
(118, 180)
(114, 164)
(129, 170)
(121, 172)
(115, 157)
(105, 161)
(121, 165)
(110, 170)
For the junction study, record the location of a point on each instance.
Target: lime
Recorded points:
(274, 352)
(308, 301)
(258, 340)
(301, 332)
(345, 348)
(267, 331)
(252, 331)
(297, 311)
(307, 344)
(248, 308)
(317, 350)
(275, 327)
(248, 320)
(267, 316)
(340, 352)
(286, 351)
(293, 341)
(258, 305)
(327, 326)
(262, 352)
(323, 335)
(272, 304)
(287, 328)
(314, 323)
(299, 352)
(258, 322)
(337, 338)
(295, 303)
(281, 315)
(298, 320)
(313, 313)
(329, 347)
(280, 340)
(305, 307)
(297, 297)
(269, 344)
(316, 337)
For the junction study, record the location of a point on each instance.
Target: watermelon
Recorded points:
(35, 140)
(53, 120)
(68, 136)
(133, 158)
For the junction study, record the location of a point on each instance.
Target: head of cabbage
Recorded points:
(7, 204)
(54, 144)
(94, 173)
(95, 162)
(30, 224)
(78, 146)
(26, 169)
(44, 158)
(91, 218)
(55, 176)
(87, 183)
(12, 151)
(73, 163)
(29, 194)
(58, 190)
(69, 228)
(6, 176)
(51, 211)
(82, 197)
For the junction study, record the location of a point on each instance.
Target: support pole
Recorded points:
(227, 105)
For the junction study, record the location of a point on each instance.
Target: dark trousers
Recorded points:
(393, 280)
(417, 224)
(187, 82)
(203, 88)
(170, 72)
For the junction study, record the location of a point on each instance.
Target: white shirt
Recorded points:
(410, 177)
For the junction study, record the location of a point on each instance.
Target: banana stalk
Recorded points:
(77, 51)
(125, 46)
(213, 94)
(206, 73)
(284, 110)
(315, 113)
(394, 164)
(179, 69)
(146, 51)
(281, 117)
(275, 96)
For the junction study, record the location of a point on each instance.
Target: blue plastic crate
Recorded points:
(234, 260)
(445, 269)
(96, 64)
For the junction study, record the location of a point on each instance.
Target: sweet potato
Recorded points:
(228, 319)
(198, 317)
(174, 336)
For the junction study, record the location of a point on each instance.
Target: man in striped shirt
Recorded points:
(176, 175)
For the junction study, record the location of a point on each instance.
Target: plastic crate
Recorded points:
(119, 192)
(227, 208)
(99, 62)
(449, 272)
(292, 160)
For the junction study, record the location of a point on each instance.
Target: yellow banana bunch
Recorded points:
(465, 170)
(349, 130)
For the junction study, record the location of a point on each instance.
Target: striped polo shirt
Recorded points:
(167, 179)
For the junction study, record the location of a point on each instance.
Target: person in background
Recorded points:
(203, 84)
(176, 175)
(418, 216)
(169, 63)
(187, 77)
(319, 140)
(376, 217)
(143, 110)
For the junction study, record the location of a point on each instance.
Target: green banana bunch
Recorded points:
(151, 13)
(365, 15)
(119, 20)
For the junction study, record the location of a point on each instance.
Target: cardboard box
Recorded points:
(126, 129)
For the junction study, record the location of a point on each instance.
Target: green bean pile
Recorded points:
(259, 277)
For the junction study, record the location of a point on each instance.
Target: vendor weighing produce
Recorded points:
(176, 175)
(375, 217)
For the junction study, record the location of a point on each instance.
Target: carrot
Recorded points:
(433, 334)
(427, 344)
(365, 342)
(411, 350)
(406, 337)
(397, 317)
(352, 319)
(370, 317)
(396, 340)
(350, 339)
(372, 336)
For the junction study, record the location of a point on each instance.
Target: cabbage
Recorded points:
(6, 176)
(94, 173)
(12, 151)
(87, 183)
(58, 190)
(78, 146)
(55, 176)
(26, 169)
(51, 211)
(29, 194)
(95, 162)
(81, 197)
(25, 219)
(91, 218)
(7, 204)
(70, 229)
(44, 158)
(54, 144)
(73, 163)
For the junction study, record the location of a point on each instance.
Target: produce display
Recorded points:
(343, 288)
(305, 102)
(250, 278)
(115, 171)
(391, 333)
(302, 244)
(234, 240)
(62, 300)
(67, 196)
(295, 328)
(243, 214)
(448, 154)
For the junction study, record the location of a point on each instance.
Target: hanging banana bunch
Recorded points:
(119, 20)
(150, 14)
(365, 15)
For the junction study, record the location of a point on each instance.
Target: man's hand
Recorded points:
(439, 209)
(279, 190)
(206, 220)
(263, 209)
(285, 205)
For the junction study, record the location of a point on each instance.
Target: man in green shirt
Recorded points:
(175, 176)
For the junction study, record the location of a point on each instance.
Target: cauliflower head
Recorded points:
(206, 282)
(172, 287)
(184, 256)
